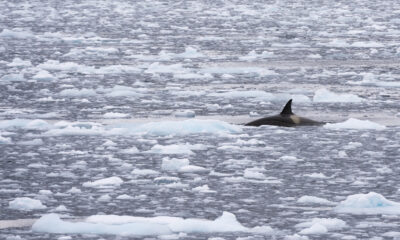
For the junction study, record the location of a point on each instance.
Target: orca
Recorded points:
(285, 119)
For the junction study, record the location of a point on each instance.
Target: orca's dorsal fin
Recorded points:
(287, 110)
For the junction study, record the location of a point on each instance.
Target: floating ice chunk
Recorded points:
(336, 43)
(177, 148)
(172, 149)
(131, 150)
(192, 168)
(371, 203)
(77, 52)
(321, 225)
(185, 114)
(253, 173)
(37, 124)
(13, 77)
(124, 197)
(144, 172)
(191, 126)
(76, 128)
(26, 204)
(174, 164)
(160, 68)
(61, 208)
(45, 192)
(190, 52)
(54, 65)
(185, 127)
(73, 92)
(316, 175)
(296, 237)
(18, 62)
(111, 181)
(43, 75)
(316, 228)
(290, 159)
(367, 45)
(104, 198)
(115, 69)
(16, 33)
(252, 55)
(354, 123)
(122, 91)
(52, 223)
(141, 226)
(109, 143)
(324, 95)
(203, 189)
(192, 76)
(74, 190)
(115, 115)
(314, 200)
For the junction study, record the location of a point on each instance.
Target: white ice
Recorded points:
(142, 226)
(321, 225)
(111, 181)
(314, 200)
(324, 95)
(26, 204)
(354, 123)
(370, 203)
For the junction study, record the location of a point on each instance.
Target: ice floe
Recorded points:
(324, 95)
(111, 181)
(142, 226)
(314, 200)
(13, 77)
(321, 225)
(16, 33)
(26, 204)
(43, 75)
(18, 62)
(180, 165)
(189, 126)
(370, 203)
(37, 124)
(354, 123)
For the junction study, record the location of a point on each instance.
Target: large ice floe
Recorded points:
(144, 226)
(162, 128)
(354, 123)
(370, 203)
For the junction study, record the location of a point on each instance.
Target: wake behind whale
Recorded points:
(285, 119)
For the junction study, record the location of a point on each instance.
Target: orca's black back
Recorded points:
(278, 120)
